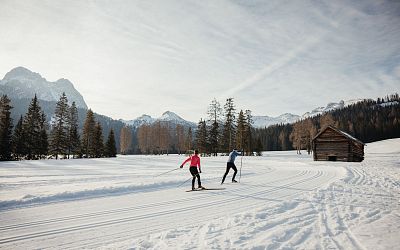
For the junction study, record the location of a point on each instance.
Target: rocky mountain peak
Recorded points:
(22, 73)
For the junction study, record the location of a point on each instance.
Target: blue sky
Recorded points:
(133, 57)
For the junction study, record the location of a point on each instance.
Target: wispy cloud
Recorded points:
(277, 64)
(149, 56)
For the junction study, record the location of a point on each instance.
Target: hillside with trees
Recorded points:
(368, 120)
(33, 137)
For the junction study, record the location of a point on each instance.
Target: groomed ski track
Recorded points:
(101, 221)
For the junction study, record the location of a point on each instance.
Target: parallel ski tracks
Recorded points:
(121, 210)
(202, 201)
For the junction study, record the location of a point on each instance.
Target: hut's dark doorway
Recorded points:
(332, 158)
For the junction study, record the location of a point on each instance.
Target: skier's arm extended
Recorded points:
(188, 159)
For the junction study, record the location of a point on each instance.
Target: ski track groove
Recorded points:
(347, 232)
(331, 218)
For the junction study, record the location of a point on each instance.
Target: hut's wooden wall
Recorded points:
(332, 143)
(356, 152)
(323, 150)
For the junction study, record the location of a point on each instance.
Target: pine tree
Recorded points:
(98, 144)
(34, 127)
(18, 140)
(73, 140)
(240, 130)
(214, 113)
(110, 148)
(248, 133)
(43, 140)
(59, 134)
(201, 137)
(5, 129)
(88, 135)
(229, 129)
(214, 138)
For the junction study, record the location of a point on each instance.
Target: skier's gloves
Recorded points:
(181, 166)
(200, 171)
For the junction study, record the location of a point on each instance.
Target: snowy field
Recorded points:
(284, 201)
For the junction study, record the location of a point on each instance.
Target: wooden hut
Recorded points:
(332, 144)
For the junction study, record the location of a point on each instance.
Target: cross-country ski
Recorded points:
(204, 189)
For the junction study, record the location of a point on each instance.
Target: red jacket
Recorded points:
(194, 161)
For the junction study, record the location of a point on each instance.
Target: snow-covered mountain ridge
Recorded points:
(330, 107)
(167, 116)
(266, 121)
(22, 83)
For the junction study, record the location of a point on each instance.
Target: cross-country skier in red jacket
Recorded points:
(194, 163)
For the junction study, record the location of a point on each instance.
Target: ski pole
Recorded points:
(185, 181)
(240, 173)
(167, 172)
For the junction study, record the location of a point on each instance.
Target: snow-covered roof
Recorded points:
(341, 132)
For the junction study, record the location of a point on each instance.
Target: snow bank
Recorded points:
(391, 146)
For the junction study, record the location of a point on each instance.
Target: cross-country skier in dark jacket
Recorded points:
(231, 164)
(194, 163)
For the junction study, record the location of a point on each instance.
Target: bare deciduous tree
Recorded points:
(125, 140)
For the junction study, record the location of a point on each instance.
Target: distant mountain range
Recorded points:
(21, 84)
(167, 116)
(266, 121)
(330, 107)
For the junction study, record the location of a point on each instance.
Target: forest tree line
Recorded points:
(224, 129)
(220, 132)
(34, 138)
(368, 121)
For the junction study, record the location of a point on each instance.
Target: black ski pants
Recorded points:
(195, 173)
(230, 165)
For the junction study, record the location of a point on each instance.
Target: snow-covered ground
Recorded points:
(284, 201)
